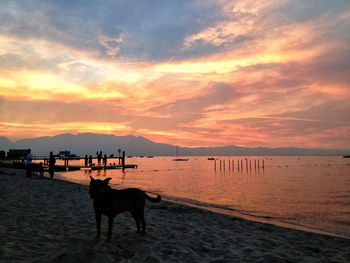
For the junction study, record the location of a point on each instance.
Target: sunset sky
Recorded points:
(272, 73)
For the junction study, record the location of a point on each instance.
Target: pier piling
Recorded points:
(240, 165)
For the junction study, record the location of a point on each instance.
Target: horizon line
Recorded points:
(183, 147)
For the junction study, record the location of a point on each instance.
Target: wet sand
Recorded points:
(44, 220)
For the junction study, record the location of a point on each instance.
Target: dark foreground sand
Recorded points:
(52, 221)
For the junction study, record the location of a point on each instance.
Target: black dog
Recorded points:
(111, 202)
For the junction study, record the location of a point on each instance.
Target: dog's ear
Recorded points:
(107, 180)
(92, 179)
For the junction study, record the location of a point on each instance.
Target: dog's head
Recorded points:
(98, 187)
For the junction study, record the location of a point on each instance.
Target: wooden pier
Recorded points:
(43, 162)
(64, 168)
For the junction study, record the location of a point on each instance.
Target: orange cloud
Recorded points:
(12, 129)
(246, 73)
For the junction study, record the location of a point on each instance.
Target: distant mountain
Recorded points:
(5, 143)
(89, 143)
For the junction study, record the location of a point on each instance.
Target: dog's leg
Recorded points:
(110, 228)
(98, 223)
(137, 220)
(142, 218)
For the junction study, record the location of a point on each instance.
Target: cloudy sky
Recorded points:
(193, 73)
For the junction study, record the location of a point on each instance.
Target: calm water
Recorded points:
(312, 191)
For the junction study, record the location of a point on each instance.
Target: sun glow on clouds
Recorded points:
(46, 86)
(51, 129)
(270, 73)
(226, 66)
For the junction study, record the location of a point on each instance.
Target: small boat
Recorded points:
(131, 166)
(211, 158)
(346, 156)
(177, 157)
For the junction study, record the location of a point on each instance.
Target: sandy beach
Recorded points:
(44, 220)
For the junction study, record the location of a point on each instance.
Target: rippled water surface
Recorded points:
(312, 191)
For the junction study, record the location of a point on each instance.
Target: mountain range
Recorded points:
(89, 143)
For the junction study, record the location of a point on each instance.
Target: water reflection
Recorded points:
(310, 191)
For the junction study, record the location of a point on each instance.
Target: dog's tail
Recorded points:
(153, 199)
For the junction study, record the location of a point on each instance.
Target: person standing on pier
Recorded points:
(41, 170)
(29, 164)
(90, 160)
(86, 160)
(105, 160)
(99, 158)
(52, 162)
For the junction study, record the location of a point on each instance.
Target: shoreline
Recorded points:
(231, 212)
(46, 220)
(248, 217)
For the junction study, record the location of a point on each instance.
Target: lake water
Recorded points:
(311, 192)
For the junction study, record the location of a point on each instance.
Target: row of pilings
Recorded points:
(239, 165)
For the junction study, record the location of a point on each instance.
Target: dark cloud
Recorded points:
(333, 113)
(299, 10)
(145, 30)
(331, 67)
(187, 110)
